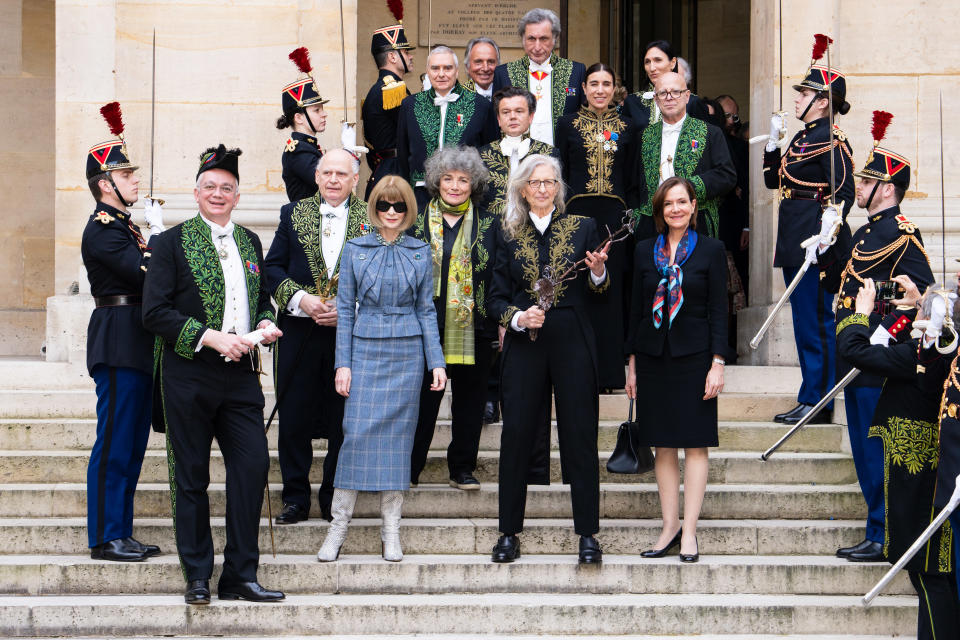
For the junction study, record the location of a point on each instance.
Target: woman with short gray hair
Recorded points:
(548, 347)
(461, 237)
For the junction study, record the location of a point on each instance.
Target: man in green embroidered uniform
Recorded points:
(204, 300)
(302, 269)
(681, 145)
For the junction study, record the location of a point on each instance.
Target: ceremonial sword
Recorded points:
(153, 112)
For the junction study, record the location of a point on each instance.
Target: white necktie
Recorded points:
(442, 102)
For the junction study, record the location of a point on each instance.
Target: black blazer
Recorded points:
(566, 94)
(175, 308)
(116, 266)
(418, 114)
(301, 155)
(701, 323)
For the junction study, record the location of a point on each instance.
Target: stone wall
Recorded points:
(899, 62)
(26, 181)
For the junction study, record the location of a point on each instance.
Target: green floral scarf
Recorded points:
(458, 343)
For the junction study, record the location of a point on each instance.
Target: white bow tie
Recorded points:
(546, 66)
(672, 127)
(218, 232)
(508, 145)
(327, 210)
(447, 99)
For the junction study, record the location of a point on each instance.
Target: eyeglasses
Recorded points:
(225, 189)
(383, 206)
(537, 184)
(732, 117)
(663, 94)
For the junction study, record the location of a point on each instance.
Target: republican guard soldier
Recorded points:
(303, 112)
(119, 350)
(889, 245)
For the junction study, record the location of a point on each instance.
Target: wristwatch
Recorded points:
(719, 361)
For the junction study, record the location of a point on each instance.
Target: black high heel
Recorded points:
(659, 553)
(691, 557)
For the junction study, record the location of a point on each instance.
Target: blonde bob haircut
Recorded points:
(392, 189)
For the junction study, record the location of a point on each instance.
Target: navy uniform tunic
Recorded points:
(380, 130)
(300, 159)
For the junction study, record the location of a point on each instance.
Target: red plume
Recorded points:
(111, 113)
(881, 120)
(396, 8)
(820, 43)
(301, 58)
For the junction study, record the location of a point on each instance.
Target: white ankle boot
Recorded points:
(344, 500)
(391, 503)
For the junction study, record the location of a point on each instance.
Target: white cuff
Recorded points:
(293, 307)
(772, 145)
(881, 337)
(597, 281)
(200, 343)
(515, 322)
(928, 342)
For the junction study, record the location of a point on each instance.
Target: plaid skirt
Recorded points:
(380, 417)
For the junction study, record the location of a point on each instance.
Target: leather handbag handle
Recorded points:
(630, 411)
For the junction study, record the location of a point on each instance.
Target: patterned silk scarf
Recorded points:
(458, 342)
(670, 288)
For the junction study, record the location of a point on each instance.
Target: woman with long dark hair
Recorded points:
(659, 58)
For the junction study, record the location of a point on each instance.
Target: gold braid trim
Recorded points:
(853, 318)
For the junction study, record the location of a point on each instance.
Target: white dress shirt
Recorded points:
(236, 310)
(333, 231)
(542, 126)
(486, 93)
(541, 225)
(514, 148)
(668, 147)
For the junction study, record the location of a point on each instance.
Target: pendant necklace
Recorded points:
(221, 248)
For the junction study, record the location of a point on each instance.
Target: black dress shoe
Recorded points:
(292, 514)
(843, 552)
(465, 481)
(507, 549)
(148, 550)
(691, 557)
(118, 550)
(659, 553)
(590, 552)
(491, 412)
(822, 417)
(781, 417)
(198, 592)
(873, 552)
(251, 591)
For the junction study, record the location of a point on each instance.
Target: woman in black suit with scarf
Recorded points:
(678, 337)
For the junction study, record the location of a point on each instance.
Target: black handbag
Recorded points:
(629, 456)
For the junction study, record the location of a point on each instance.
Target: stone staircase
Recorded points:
(767, 534)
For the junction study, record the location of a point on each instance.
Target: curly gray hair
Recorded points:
(518, 208)
(536, 16)
(465, 159)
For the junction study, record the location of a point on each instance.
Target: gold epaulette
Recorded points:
(394, 91)
(291, 144)
(904, 224)
(839, 134)
(104, 217)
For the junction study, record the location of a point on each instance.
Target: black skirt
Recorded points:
(670, 405)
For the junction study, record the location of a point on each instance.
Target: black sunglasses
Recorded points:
(383, 206)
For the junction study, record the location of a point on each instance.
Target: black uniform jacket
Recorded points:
(566, 86)
(116, 264)
(949, 436)
(482, 257)
(702, 156)
(701, 322)
(470, 122)
(295, 260)
(885, 231)
(594, 163)
(380, 124)
(300, 159)
(806, 168)
(495, 198)
(906, 420)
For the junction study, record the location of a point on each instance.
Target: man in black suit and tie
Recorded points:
(205, 299)
(555, 82)
(447, 114)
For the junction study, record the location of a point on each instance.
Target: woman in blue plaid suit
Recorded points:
(386, 337)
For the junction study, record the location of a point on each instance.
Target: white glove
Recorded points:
(829, 221)
(811, 253)
(153, 214)
(938, 311)
(348, 138)
(778, 130)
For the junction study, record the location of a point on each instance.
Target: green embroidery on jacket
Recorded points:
(599, 150)
(459, 114)
(911, 444)
(854, 318)
(499, 167)
(251, 270)
(480, 263)
(204, 263)
(945, 564)
(519, 73)
(186, 341)
(650, 104)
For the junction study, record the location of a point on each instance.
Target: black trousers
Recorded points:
(208, 398)
(560, 359)
(310, 407)
(469, 394)
(939, 614)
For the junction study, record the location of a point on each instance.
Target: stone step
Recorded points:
(52, 536)
(617, 500)
(725, 467)
(81, 403)
(475, 574)
(79, 433)
(509, 613)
